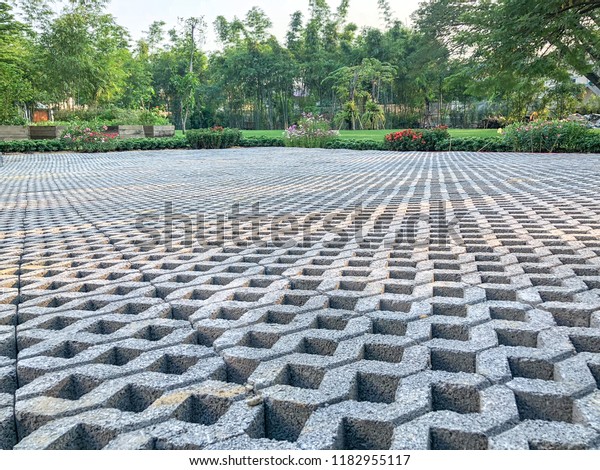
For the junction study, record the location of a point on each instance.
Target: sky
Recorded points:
(136, 15)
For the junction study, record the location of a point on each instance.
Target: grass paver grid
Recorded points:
(466, 314)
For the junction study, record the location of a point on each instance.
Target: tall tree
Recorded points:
(537, 37)
(15, 50)
(82, 53)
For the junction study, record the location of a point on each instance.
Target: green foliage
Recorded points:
(89, 137)
(374, 116)
(57, 145)
(82, 55)
(591, 106)
(15, 54)
(29, 146)
(536, 38)
(214, 138)
(152, 144)
(464, 61)
(113, 116)
(407, 140)
(433, 137)
(420, 140)
(349, 144)
(312, 131)
(545, 136)
(590, 143)
(262, 141)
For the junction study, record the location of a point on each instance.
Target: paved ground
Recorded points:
(369, 301)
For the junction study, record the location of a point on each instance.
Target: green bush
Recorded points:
(13, 121)
(546, 136)
(152, 144)
(355, 145)
(27, 146)
(433, 137)
(262, 142)
(214, 138)
(590, 143)
(57, 145)
(89, 138)
(426, 140)
(113, 116)
(312, 131)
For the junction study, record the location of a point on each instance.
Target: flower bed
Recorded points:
(413, 140)
(546, 136)
(312, 131)
(89, 138)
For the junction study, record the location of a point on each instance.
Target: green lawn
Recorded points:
(379, 135)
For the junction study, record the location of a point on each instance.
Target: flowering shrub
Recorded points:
(423, 140)
(405, 140)
(89, 137)
(312, 131)
(545, 136)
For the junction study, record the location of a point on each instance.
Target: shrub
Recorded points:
(405, 140)
(262, 142)
(312, 131)
(152, 144)
(590, 143)
(113, 116)
(56, 145)
(433, 137)
(355, 144)
(421, 140)
(545, 136)
(13, 121)
(213, 138)
(26, 146)
(88, 138)
(153, 117)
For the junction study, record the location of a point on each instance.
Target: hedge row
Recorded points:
(215, 138)
(58, 145)
(588, 144)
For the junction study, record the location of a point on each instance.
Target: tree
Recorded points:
(188, 83)
(82, 55)
(537, 37)
(15, 88)
(254, 72)
(359, 85)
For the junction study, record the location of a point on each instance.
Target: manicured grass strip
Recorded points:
(379, 135)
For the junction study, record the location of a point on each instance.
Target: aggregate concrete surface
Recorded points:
(372, 300)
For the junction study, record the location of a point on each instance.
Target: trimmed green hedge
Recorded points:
(590, 143)
(215, 138)
(58, 145)
(262, 142)
(355, 145)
